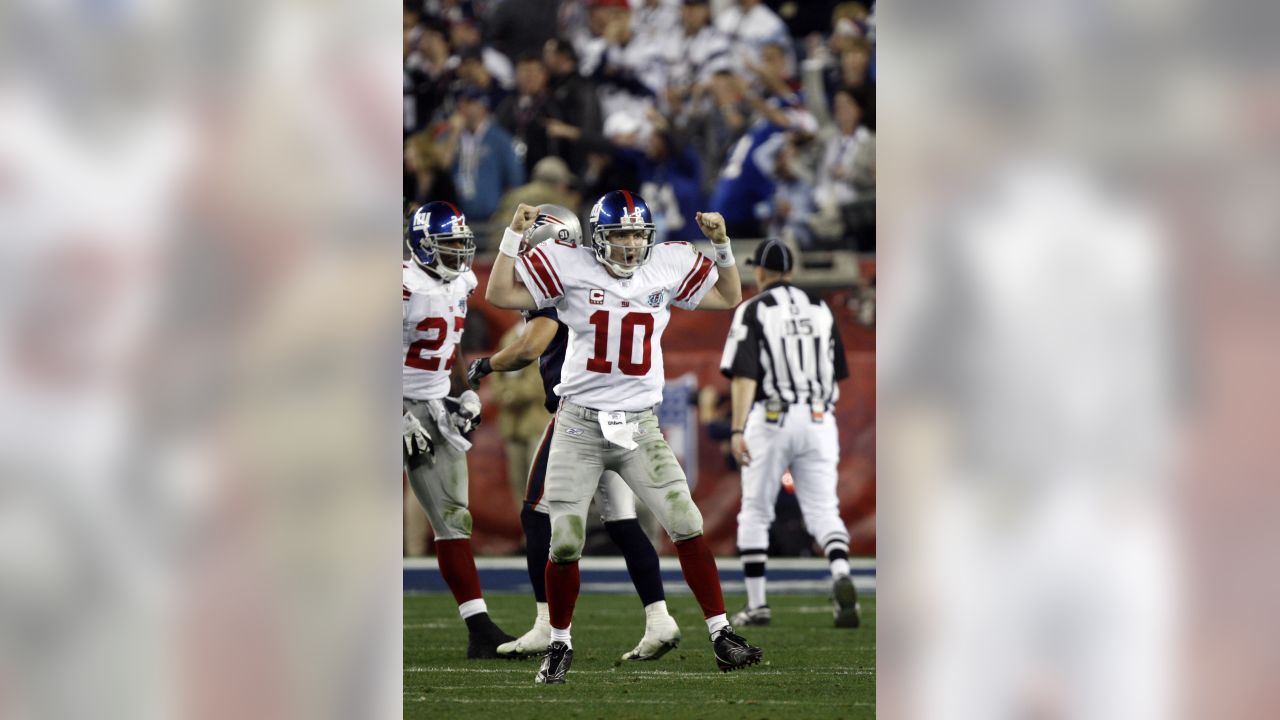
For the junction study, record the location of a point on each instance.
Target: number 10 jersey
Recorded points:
(614, 357)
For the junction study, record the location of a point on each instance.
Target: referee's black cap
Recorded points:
(773, 255)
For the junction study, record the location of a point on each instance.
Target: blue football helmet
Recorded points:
(616, 213)
(440, 241)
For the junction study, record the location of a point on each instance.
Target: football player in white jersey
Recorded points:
(436, 284)
(614, 295)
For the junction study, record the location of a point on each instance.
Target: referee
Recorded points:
(785, 358)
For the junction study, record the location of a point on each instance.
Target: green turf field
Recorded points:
(810, 669)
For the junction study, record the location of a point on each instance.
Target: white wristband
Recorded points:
(724, 254)
(511, 241)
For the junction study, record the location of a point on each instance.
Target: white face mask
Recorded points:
(624, 251)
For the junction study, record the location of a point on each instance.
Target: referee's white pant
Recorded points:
(811, 450)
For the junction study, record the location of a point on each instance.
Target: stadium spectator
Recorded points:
(480, 151)
(855, 76)
(713, 117)
(519, 396)
(464, 34)
(725, 115)
(694, 54)
(793, 200)
(428, 75)
(589, 37)
(629, 72)
(745, 189)
(523, 113)
(671, 176)
(751, 25)
(472, 72)
(845, 186)
(773, 75)
(426, 175)
(614, 160)
(573, 98)
(654, 21)
(517, 28)
(448, 10)
(551, 182)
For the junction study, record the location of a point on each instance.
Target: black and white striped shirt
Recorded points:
(788, 344)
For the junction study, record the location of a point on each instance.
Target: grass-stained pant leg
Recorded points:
(655, 476)
(574, 466)
(441, 482)
(614, 499)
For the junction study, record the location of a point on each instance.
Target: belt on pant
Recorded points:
(591, 414)
(782, 405)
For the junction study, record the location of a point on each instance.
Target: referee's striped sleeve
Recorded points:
(742, 348)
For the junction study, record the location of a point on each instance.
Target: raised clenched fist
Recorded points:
(712, 225)
(524, 217)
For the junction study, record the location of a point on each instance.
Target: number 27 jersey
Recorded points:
(434, 312)
(614, 356)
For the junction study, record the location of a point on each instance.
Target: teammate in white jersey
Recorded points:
(436, 285)
(614, 295)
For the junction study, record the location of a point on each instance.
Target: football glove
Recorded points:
(476, 372)
(417, 443)
(464, 411)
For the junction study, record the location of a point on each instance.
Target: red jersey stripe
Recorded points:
(536, 262)
(696, 282)
(702, 268)
(697, 263)
(529, 270)
(551, 269)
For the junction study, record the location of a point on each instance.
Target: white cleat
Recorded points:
(532, 643)
(660, 638)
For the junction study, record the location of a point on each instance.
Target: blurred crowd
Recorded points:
(762, 111)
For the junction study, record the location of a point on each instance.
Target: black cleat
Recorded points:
(555, 664)
(844, 603)
(752, 616)
(484, 643)
(732, 650)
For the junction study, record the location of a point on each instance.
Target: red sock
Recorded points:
(458, 568)
(563, 583)
(699, 568)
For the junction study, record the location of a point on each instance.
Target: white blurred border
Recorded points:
(199, 514)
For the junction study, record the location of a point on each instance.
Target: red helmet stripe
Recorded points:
(631, 204)
(452, 207)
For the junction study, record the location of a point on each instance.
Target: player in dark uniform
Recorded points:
(545, 339)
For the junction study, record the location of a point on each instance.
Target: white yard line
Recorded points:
(630, 701)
